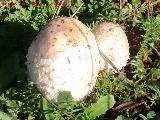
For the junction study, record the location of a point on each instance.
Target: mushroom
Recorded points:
(64, 57)
(113, 44)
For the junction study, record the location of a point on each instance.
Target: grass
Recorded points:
(132, 94)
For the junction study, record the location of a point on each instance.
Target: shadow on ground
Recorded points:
(15, 39)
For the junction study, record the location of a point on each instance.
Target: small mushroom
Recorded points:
(113, 44)
(64, 57)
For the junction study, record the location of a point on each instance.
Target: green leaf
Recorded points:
(5, 116)
(49, 112)
(151, 114)
(142, 116)
(135, 2)
(44, 108)
(103, 104)
(120, 118)
(64, 99)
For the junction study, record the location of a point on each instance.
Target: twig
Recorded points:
(156, 51)
(57, 11)
(106, 59)
(77, 10)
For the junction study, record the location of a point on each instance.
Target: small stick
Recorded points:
(77, 10)
(108, 61)
(57, 11)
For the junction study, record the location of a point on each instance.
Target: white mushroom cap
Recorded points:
(64, 57)
(113, 43)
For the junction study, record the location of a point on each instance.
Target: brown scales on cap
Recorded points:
(65, 58)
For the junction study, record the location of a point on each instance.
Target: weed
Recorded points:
(114, 97)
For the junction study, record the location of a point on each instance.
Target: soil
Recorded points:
(135, 38)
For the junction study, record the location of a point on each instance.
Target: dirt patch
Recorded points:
(157, 9)
(135, 38)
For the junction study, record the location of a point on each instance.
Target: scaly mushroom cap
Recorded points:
(112, 42)
(64, 57)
